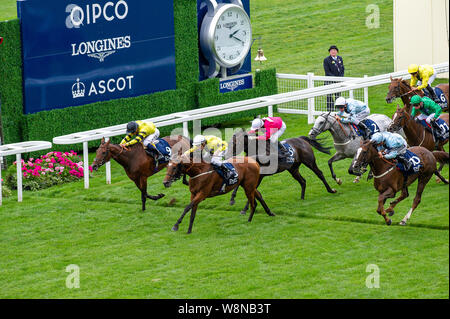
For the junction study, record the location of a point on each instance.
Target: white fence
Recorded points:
(308, 94)
(18, 149)
(316, 105)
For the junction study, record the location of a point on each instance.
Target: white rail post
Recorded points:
(270, 110)
(185, 129)
(108, 167)
(86, 164)
(366, 93)
(310, 100)
(19, 177)
(197, 127)
(350, 94)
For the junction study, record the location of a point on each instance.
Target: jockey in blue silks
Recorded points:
(390, 146)
(357, 110)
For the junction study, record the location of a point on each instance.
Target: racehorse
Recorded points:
(416, 134)
(388, 180)
(303, 153)
(345, 143)
(205, 182)
(401, 89)
(137, 164)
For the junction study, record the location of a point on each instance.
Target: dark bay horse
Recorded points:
(401, 89)
(303, 153)
(205, 182)
(388, 180)
(137, 164)
(416, 134)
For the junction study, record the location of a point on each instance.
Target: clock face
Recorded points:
(232, 36)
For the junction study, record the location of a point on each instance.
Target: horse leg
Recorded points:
(263, 203)
(389, 193)
(299, 178)
(194, 201)
(191, 220)
(233, 196)
(245, 209)
(312, 165)
(335, 158)
(185, 182)
(144, 191)
(143, 188)
(251, 199)
(420, 187)
(394, 203)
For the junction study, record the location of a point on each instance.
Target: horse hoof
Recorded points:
(389, 222)
(232, 202)
(391, 213)
(161, 195)
(271, 214)
(356, 181)
(402, 223)
(175, 228)
(339, 181)
(333, 191)
(243, 212)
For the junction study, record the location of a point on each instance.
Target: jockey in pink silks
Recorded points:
(274, 127)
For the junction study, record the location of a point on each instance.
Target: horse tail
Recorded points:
(317, 144)
(441, 157)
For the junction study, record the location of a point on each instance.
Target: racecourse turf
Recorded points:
(316, 248)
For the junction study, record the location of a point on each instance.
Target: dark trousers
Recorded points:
(331, 98)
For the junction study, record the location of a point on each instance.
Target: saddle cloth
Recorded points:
(440, 95)
(287, 159)
(414, 163)
(231, 177)
(439, 134)
(163, 147)
(373, 127)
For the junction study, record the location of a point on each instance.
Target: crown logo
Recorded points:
(78, 89)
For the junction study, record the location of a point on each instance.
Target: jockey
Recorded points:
(274, 127)
(423, 75)
(429, 111)
(358, 111)
(216, 148)
(139, 131)
(390, 146)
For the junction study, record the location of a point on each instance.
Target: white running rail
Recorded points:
(206, 112)
(18, 149)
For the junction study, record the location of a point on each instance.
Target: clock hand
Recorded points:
(238, 39)
(232, 34)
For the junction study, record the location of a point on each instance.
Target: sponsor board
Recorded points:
(95, 50)
(236, 83)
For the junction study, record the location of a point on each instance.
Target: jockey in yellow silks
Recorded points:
(423, 75)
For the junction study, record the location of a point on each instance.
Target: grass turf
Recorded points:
(316, 248)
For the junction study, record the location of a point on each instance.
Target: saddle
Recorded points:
(440, 95)
(440, 130)
(160, 150)
(371, 125)
(230, 176)
(413, 161)
(289, 157)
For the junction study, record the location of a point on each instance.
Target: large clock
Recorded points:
(225, 36)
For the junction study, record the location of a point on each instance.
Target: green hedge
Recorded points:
(190, 93)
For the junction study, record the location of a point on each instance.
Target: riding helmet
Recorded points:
(257, 124)
(376, 138)
(132, 127)
(416, 99)
(340, 101)
(413, 68)
(199, 140)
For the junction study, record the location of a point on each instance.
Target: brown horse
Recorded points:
(137, 164)
(416, 134)
(205, 182)
(388, 180)
(401, 89)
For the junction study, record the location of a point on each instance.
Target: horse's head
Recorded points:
(362, 158)
(174, 170)
(103, 155)
(397, 88)
(322, 124)
(399, 120)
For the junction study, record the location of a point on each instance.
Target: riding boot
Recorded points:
(364, 130)
(432, 94)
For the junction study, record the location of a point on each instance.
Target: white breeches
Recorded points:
(151, 138)
(217, 159)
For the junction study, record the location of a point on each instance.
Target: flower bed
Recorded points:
(50, 169)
